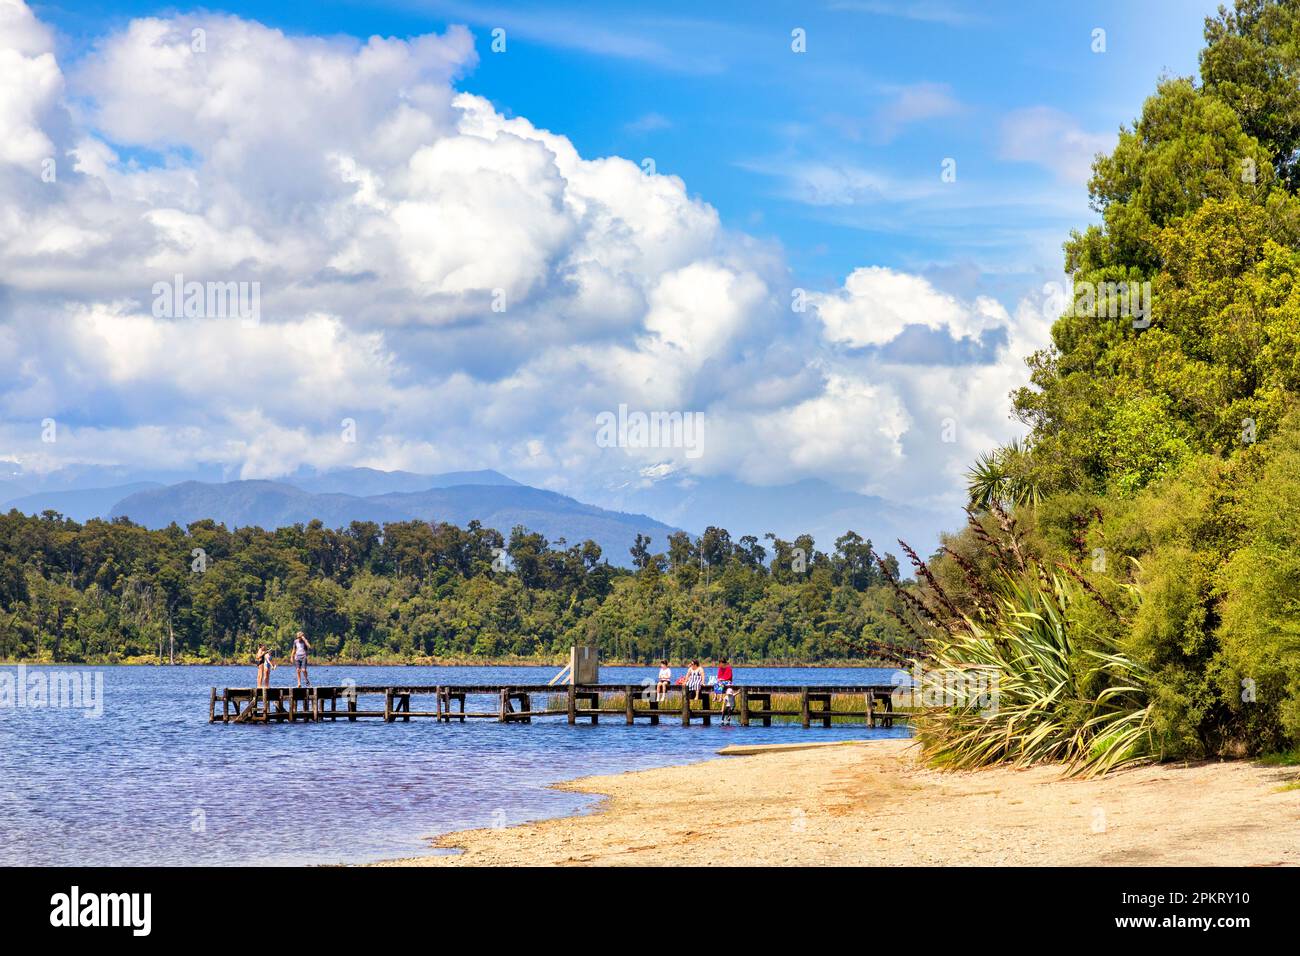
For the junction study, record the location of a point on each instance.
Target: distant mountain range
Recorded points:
(337, 498)
(80, 505)
(156, 498)
(503, 505)
(810, 506)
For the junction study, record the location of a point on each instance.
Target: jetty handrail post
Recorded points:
(744, 706)
(503, 703)
(686, 706)
(804, 717)
(573, 704)
(629, 691)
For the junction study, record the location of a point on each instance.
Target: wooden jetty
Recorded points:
(870, 703)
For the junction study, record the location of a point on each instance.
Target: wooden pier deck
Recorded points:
(873, 704)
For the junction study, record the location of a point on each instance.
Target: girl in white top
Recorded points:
(665, 680)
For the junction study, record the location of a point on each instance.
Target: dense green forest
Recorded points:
(1150, 522)
(108, 591)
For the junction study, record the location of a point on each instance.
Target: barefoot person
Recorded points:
(665, 681)
(264, 664)
(723, 680)
(694, 680)
(300, 648)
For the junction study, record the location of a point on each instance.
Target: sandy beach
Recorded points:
(872, 803)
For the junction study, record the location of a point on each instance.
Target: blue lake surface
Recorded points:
(150, 782)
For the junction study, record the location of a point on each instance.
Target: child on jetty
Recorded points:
(665, 681)
(728, 705)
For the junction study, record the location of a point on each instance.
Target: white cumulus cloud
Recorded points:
(464, 285)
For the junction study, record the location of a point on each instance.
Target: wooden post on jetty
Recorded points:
(631, 700)
(686, 707)
(804, 716)
(573, 704)
(744, 706)
(503, 705)
(212, 707)
(584, 664)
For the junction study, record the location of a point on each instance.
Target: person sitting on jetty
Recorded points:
(723, 680)
(300, 648)
(665, 681)
(728, 705)
(694, 680)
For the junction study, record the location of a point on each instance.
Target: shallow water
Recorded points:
(151, 782)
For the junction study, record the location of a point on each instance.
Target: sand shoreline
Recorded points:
(874, 804)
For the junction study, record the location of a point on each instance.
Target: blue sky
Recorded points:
(473, 255)
(887, 89)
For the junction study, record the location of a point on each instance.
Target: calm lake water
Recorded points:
(151, 782)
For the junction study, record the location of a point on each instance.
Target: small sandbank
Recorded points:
(874, 804)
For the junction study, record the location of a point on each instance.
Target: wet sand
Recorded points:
(874, 804)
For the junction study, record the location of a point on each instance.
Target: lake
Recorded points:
(150, 782)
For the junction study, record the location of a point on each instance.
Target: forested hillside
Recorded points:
(107, 591)
(1155, 506)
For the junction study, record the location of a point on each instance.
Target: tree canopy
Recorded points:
(106, 591)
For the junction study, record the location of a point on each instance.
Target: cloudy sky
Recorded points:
(838, 255)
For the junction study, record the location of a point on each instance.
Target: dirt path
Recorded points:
(873, 804)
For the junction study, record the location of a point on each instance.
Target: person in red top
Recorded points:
(723, 679)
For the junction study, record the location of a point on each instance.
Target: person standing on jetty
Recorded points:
(300, 648)
(265, 663)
